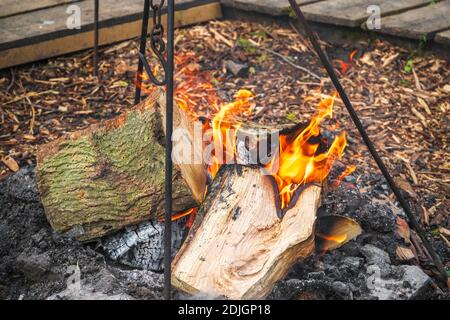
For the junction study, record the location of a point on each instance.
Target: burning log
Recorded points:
(110, 175)
(252, 226)
(238, 246)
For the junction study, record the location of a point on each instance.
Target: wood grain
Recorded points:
(238, 247)
(14, 7)
(419, 24)
(443, 37)
(271, 7)
(44, 46)
(352, 13)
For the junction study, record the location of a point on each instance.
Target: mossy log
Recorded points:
(238, 246)
(110, 175)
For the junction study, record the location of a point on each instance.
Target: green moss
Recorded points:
(110, 178)
(70, 188)
(133, 149)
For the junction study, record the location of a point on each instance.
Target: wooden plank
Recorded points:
(352, 13)
(443, 37)
(419, 24)
(271, 7)
(13, 7)
(48, 24)
(84, 40)
(51, 23)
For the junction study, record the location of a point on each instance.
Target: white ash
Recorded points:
(120, 243)
(142, 246)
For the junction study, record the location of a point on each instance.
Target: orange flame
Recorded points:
(143, 84)
(194, 90)
(185, 213)
(225, 129)
(179, 215)
(335, 238)
(297, 161)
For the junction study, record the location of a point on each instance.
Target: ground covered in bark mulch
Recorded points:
(402, 97)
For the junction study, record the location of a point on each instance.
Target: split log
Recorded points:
(110, 175)
(255, 142)
(238, 247)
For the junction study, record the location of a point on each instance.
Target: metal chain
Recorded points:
(157, 32)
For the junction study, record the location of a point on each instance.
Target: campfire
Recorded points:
(252, 194)
(301, 157)
(251, 191)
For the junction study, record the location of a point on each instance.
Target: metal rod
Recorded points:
(303, 24)
(168, 167)
(96, 16)
(143, 41)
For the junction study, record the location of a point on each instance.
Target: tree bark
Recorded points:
(110, 175)
(238, 247)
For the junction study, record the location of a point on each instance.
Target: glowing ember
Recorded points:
(345, 66)
(348, 170)
(337, 238)
(185, 213)
(179, 215)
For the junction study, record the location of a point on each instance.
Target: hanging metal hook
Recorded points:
(157, 44)
(158, 47)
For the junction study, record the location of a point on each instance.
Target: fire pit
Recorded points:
(370, 266)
